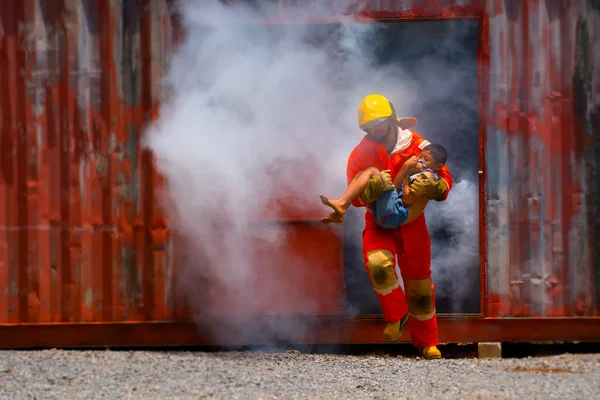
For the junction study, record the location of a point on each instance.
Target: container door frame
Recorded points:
(483, 105)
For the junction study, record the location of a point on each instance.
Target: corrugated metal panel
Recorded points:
(542, 138)
(81, 238)
(542, 213)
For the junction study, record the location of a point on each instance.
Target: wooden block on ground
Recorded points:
(489, 350)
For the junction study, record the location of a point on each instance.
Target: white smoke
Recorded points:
(452, 260)
(254, 114)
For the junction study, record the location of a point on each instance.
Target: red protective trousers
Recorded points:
(410, 244)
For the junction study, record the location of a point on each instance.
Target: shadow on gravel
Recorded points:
(449, 351)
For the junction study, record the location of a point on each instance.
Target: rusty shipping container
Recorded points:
(89, 258)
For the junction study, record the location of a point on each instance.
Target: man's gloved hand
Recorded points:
(378, 184)
(426, 185)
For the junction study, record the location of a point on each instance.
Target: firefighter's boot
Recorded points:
(431, 353)
(393, 331)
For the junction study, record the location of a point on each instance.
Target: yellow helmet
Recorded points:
(375, 108)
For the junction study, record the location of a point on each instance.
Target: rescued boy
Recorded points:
(399, 202)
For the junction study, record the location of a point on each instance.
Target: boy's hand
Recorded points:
(412, 162)
(415, 170)
(413, 165)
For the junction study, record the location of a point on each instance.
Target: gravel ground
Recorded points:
(56, 374)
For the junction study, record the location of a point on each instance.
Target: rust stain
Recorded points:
(82, 238)
(539, 208)
(74, 217)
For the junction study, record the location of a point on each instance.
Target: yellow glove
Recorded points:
(378, 184)
(438, 190)
(429, 187)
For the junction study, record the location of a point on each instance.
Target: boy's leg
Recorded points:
(354, 189)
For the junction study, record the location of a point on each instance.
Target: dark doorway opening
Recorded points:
(439, 58)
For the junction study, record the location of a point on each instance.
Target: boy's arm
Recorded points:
(404, 177)
(402, 180)
(408, 197)
(399, 180)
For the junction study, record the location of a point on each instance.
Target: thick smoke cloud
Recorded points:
(247, 105)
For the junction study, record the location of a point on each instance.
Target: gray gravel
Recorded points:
(55, 374)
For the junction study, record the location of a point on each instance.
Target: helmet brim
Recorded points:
(407, 122)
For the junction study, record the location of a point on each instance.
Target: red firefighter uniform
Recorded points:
(410, 243)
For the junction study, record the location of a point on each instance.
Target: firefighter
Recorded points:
(387, 145)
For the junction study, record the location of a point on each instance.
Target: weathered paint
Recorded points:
(83, 240)
(541, 227)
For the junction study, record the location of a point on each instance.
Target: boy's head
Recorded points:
(434, 156)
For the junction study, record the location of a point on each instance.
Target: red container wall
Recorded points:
(81, 233)
(82, 238)
(541, 155)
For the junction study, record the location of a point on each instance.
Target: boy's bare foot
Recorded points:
(334, 217)
(335, 204)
